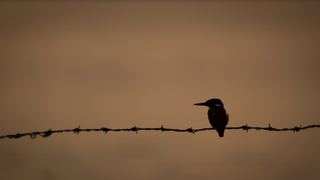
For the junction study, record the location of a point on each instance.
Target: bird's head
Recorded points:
(211, 103)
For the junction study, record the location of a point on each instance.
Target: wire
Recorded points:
(77, 130)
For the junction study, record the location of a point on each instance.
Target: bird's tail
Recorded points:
(220, 132)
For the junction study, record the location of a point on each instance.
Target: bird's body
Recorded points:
(217, 115)
(218, 119)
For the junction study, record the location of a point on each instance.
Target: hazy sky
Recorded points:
(123, 64)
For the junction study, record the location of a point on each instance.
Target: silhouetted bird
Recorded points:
(217, 115)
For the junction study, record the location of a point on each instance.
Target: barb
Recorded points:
(77, 130)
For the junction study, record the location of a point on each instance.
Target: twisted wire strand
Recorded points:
(77, 130)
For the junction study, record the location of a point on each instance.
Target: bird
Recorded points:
(217, 115)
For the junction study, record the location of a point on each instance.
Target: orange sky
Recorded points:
(123, 64)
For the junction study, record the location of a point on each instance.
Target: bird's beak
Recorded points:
(200, 104)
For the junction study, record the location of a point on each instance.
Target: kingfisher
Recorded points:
(217, 115)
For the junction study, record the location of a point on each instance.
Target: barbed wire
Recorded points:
(77, 130)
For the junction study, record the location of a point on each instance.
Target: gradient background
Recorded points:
(123, 64)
